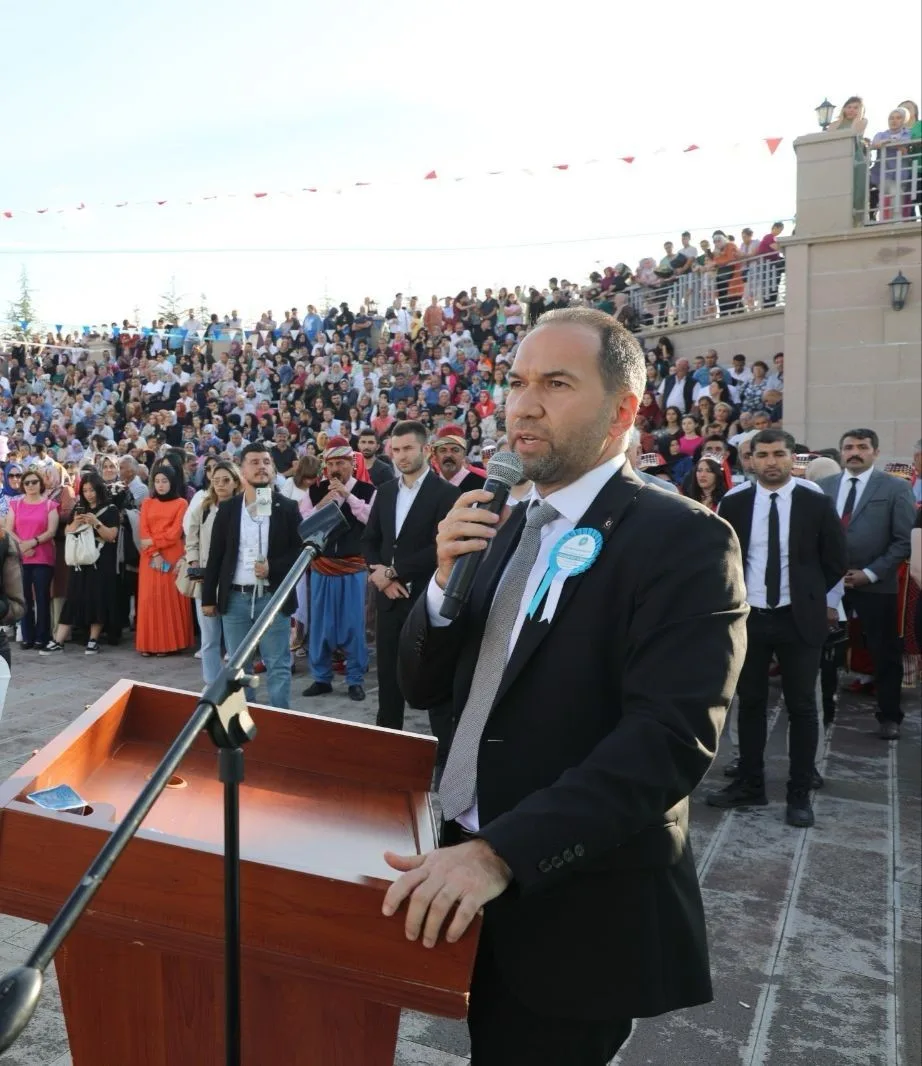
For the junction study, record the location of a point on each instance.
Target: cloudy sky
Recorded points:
(175, 101)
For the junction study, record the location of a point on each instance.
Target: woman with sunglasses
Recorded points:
(33, 520)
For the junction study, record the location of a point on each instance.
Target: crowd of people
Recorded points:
(116, 458)
(893, 157)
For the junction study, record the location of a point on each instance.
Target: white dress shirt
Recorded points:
(571, 503)
(845, 486)
(254, 541)
(406, 494)
(757, 556)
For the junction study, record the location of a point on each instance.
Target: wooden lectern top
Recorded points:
(321, 801)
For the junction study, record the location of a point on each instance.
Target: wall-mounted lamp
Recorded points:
(824, 114)
(899, 290)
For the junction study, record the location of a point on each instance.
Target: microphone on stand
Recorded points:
(503, 472)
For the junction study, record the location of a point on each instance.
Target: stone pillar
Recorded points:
(825, 184)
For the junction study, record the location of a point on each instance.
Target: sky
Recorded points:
(177, 102)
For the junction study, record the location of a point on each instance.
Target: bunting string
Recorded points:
(770, 143)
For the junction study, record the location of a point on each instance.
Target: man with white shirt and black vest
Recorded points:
(399, 547)
(877, 512)
(338, 578)
(566, 788)
(794, 552)
(680, 389)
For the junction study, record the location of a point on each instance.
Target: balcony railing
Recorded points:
(710, 291)
(891, 182)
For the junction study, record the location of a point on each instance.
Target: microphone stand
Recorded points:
(222, 711)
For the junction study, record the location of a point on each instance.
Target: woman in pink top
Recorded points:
(33, 519)
(691, 438)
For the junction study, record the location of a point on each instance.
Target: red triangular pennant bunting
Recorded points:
(772, 143)
(628, 158)
(691, 148)
(160, 203)
(81, 206)
(431, 176)
(561, 166)
(260, 195)
(7, 214)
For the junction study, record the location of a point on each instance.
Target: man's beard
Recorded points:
(418, 464)
(563, 464)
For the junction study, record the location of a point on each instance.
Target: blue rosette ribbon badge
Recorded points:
(573, 554)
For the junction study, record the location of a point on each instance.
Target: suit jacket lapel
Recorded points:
(870, 491)
(605, 513)
(745, 503)
(796, 526)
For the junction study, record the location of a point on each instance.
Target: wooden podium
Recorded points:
(324, 973)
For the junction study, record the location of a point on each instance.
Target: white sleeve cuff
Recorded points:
(435, 597)
(871, 576)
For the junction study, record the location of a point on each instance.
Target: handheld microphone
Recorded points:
(503, 471)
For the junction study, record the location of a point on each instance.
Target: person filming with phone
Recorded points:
(254, 543)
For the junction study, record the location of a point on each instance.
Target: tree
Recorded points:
(203, 314)
(171, 304)
(22, 309)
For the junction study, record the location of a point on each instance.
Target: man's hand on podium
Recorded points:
(468, 875)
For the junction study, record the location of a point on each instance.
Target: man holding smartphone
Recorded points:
(254, 543)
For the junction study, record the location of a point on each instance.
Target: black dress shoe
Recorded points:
(739, 793)
(27, 645)
(357, 693)
(889, 730)
(319, 688)
(732, 769)
(800, 810)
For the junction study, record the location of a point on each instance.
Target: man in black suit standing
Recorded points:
(399, 547)
(794, 552)
(877, 512)
(566, 788)
(252, 549)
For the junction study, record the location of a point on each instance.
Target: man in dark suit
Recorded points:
(877, 512)
(399, 547)
(251, 552)
(589, 693)
(794, 552)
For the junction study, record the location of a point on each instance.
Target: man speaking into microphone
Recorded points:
(565, 792)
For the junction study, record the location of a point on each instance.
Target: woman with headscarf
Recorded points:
(164, 619)
(92, 591)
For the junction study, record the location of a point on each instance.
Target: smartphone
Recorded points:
(264, 502)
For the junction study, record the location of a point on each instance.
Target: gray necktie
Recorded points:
(459, 781)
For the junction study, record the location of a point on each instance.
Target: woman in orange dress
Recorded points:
(164, 622)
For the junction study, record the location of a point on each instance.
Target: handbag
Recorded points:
(185, 586)
(81, 548)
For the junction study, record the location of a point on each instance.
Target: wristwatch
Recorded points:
(390, 573)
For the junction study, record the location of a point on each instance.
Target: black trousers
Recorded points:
(504, 1032)
(774, 633)
(877, 613)
(388, 624)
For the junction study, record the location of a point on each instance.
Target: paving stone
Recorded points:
(806, 978)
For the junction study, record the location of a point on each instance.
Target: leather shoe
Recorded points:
(800, 810)
(319, 688)
(889, 730)
(357, 693)
(732, 769)
(739, 794)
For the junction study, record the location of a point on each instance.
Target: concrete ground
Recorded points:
(815, 935)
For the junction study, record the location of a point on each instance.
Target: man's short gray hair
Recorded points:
(621, 359)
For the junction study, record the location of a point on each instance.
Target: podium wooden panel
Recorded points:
(324, 973)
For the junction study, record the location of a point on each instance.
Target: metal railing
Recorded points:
(709, 291)
(892, 182)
